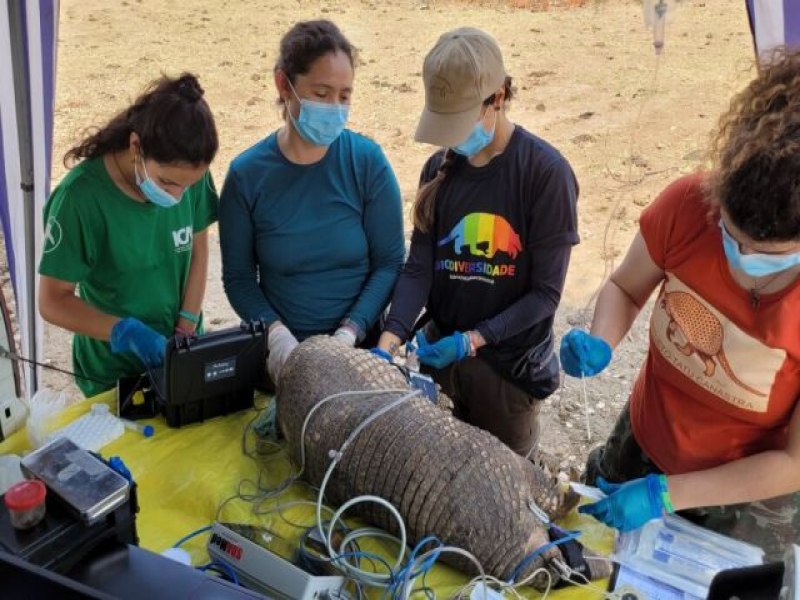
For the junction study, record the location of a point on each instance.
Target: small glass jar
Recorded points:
(25, 503)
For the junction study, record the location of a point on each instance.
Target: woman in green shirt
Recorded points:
(127, 227)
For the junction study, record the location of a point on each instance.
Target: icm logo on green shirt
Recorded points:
(183, 239)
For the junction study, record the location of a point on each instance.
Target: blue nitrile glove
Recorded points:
(630, 505)
(583, 354)
(131, 335)
(381, 353)
(444, 352)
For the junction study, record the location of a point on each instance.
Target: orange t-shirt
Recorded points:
(722, 377)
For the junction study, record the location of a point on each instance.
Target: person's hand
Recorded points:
(280, 343)
(381, 353)
(584, 355)
(446, 351)
(346, 335)
(131, 335)
(630, 505)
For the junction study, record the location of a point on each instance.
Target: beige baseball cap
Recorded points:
(463, 69)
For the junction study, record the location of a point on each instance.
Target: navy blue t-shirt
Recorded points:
(496, 257)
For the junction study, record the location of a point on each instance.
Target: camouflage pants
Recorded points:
(772, 524)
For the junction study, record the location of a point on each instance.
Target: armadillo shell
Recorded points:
(447, 478)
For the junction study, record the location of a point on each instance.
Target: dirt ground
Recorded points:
(587, 80)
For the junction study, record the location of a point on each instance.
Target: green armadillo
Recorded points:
(447, 478)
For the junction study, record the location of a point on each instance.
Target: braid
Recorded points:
(426, 194)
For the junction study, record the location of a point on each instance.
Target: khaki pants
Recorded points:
(485, 399)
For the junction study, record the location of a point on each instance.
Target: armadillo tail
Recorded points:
(549, 495)
(723, 361)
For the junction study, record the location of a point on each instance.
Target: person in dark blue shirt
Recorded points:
(494, 224)
(310, 218)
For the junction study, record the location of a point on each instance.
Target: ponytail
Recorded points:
(172, 119)
(426, 194)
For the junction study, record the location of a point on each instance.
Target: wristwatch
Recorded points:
(473, 347)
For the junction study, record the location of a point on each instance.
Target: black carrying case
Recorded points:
(211, 375)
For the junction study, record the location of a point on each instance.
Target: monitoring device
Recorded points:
(210, 375)
(253, 553)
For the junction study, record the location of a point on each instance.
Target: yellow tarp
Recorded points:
(184, 474)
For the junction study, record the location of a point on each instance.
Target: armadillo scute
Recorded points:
(447, 478)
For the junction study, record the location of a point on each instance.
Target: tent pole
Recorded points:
(16, 13)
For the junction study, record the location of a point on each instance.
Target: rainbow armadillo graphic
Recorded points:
(484, 234)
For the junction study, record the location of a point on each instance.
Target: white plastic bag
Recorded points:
(44, 409)
(681, 554)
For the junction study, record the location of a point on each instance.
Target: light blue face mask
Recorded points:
(756, 265)
(152, 191)
(319, 123)
(477, 139)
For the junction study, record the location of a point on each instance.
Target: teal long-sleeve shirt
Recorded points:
(311, 245)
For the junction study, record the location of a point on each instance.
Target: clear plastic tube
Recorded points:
(145, 430)
(659, 25)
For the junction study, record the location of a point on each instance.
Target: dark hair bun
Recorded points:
(189, 88)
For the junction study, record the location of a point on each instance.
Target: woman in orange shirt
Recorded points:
(713, 418)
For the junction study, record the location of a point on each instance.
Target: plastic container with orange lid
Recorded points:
(25, 503)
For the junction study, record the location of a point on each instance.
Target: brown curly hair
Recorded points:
(756, 154)
(172, 119)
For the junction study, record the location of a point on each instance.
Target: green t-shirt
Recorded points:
(129, 259)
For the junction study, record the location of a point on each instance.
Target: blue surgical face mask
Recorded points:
(756, 265)
(477, 139)
(152, 191)
(319, 123)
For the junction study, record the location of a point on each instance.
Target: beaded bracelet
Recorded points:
(189, 316)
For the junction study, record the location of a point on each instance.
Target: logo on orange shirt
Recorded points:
(712, 351)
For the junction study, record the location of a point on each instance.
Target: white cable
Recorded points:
(263, 493)
(588, 585)
(337, 456)
(281, 507)
(325, 401)
(586, 408)
(355, 573)
(455, 550)
(418, 561)
(376, 579)
(531, 576)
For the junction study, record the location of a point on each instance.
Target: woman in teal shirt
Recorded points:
(311, 225)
